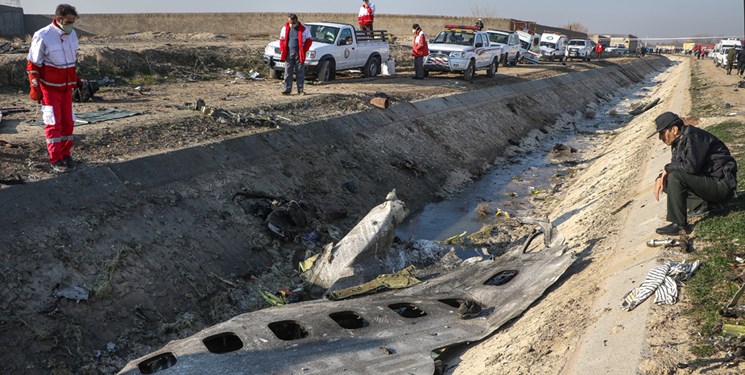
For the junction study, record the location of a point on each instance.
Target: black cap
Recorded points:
(665, 121)
(415, 26)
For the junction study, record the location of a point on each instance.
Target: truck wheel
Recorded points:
(470, 70)
(372, 68)
(517, 58)
(326, 71)
(505, 60)
(277, 74)
(492, 70)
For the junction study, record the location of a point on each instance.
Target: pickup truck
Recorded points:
(336, 47)
(462, 49)
(510, 43)
(579, 49)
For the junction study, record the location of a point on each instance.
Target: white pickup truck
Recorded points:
(336, 46)
(462, 49)
(510, 43)
(579, 49)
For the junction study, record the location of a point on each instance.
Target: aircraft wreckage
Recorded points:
(391, 332)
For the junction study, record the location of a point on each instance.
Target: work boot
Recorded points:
(69, 163)
(671, 229)
(301, 93)
(286, 92)
(59, 167)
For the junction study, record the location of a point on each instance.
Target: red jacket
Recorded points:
(52, 57)
(420, 47)
(366, 14)
(599, 48)
(303, 37)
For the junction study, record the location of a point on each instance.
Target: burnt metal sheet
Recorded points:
(388, 333)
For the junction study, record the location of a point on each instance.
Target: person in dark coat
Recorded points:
(741, 61)
(702, 171)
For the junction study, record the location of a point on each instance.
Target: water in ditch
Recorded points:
(529, 172)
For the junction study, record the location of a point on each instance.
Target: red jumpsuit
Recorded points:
(51, 60)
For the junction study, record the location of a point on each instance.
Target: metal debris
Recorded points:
(74, 293)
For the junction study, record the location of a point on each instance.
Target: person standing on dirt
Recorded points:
(731, 54)
(741, 61)
(420, 50)
(599, 50)
(702, 171)
(366, 15)
(52, 76)
(294, 41)
(480, 25)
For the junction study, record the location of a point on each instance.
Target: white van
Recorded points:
(720, 54)
(553, 46)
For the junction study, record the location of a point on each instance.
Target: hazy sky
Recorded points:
(645, 18)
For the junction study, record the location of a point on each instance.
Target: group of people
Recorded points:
(738, 55)
(702, 172)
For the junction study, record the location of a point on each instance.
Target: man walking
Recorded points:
(51, 74)
(702, 171)
(366, 16)
(420, 50)
(294, 41)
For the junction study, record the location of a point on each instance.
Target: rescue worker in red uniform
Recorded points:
(366, 15)
(52, 76)
(294, 41)
(419, 50)
(599, 49)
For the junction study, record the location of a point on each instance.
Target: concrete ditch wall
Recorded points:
(174, 211)
(257, 24)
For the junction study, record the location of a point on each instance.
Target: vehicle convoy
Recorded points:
(462, 49)
(336, 47)
(527, 43)
(553, 46)
(579, 49)
(510, 43)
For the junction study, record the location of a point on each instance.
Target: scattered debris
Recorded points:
(85, 93)
(223, 116)
(663, 282)
(402, 279)
(563, 150)
(408, 164)
(381, 103)
(667, 243)
(644, 107)
(10, 47)
(7, 111)
(469, 309)
(74, 293)
(733, 308)
(94, 117)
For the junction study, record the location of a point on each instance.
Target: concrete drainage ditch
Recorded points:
(151, 232)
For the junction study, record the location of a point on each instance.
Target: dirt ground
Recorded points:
(163, 75)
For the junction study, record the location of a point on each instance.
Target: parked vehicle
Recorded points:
(553, 46)
(618, 49)
(462, 49)
(336, 47)
(721, 49)
(510, 43)
(580, 49)
(527, 40)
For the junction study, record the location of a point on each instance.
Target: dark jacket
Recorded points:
(741, 57)
(699, 152)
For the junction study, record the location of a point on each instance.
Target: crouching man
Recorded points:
(702, 171)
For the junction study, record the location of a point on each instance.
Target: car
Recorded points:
(579, 49)
(510, 43)
(618, 49)
(462, 49)
(529, 47)
(336, 47)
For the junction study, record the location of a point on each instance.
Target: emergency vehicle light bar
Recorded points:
(474, 28)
